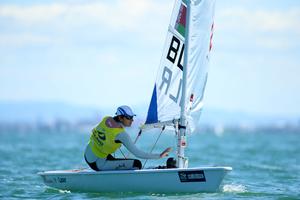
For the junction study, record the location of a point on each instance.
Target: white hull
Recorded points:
(200, 179)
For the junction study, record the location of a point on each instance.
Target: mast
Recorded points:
(182, 161)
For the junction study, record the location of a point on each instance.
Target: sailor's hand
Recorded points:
(165, 152)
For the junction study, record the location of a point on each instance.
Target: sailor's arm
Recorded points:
(127, 142)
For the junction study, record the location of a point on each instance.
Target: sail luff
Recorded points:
(182, 122)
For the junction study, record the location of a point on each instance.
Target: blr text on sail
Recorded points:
(173, 61)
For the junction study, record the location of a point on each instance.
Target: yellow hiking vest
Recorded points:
(102, 140)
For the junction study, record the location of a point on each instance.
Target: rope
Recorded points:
(137, 137)
(163, 128)
(122, 153)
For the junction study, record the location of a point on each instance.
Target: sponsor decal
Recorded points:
(48, 180)
(51, 180)
(62, 180)
(192, 176)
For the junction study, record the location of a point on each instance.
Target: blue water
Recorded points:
(265, 165)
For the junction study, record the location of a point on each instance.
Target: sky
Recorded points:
(106, 53)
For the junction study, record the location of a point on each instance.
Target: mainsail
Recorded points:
(191, 25)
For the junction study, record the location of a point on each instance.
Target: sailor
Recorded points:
(108, 136)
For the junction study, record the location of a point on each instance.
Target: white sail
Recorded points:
(167, 99)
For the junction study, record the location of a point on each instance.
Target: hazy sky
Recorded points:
(106, 53)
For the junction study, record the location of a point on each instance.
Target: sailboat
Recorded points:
(176, 103)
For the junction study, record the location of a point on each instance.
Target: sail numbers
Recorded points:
(174, 49)
(171, 84)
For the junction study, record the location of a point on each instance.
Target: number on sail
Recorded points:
(173, 52)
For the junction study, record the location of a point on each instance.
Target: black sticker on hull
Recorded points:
(192, 176)
(51, 180)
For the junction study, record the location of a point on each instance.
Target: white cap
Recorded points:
(125, 110)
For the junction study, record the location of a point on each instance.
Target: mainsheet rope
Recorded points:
(136, 139)
(163, 128)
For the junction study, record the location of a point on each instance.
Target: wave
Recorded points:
(268, 167)
(64, 191)
(233, 188)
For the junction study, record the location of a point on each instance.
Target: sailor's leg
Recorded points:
(92, 160)
(119, 164)
(110, 163)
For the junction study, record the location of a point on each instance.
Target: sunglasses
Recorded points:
(129, 117)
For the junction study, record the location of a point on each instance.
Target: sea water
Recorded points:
(265, 165)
